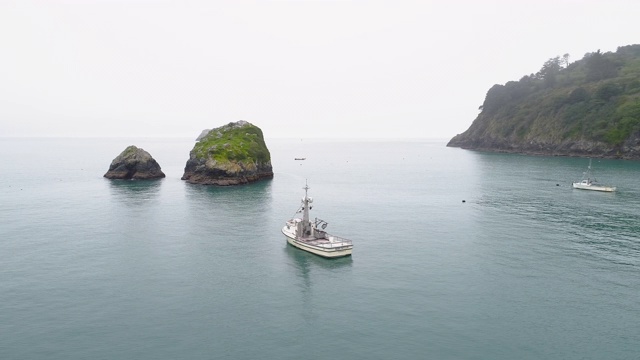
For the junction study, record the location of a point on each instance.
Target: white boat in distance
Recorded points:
(589, 183)
(310, 236)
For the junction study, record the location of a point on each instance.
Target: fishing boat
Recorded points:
(588, 182)
(310, 236)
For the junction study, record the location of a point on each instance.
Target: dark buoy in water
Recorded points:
(464, 200)
(557, 184)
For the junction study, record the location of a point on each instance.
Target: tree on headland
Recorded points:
(565, 60)
(599, 67)
(549, 71)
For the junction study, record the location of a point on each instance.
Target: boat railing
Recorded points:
(339, 242)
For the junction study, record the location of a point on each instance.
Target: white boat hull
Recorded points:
(335, 250)
(593, 187)
(588, 184)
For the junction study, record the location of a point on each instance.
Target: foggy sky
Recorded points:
(297, 68)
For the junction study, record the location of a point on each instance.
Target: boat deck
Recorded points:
(336, 242)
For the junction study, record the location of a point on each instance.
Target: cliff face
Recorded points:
(134, 163)
(580, 148)
(233, 154)
(587, 108)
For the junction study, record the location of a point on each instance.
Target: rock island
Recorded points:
(134, 163)
(232, 154)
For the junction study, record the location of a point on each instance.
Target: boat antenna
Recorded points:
(305, 208)
(302, 207)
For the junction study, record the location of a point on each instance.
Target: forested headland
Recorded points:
(589, 107)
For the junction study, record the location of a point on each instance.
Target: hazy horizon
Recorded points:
(294, 68)
(193, 138)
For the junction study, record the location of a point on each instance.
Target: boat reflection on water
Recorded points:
(309, 268)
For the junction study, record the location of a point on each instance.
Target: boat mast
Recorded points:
(306, 224)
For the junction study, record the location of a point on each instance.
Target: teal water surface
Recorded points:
(525, 268)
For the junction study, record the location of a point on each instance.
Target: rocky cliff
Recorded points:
(590, 107)
(232, 154)
(548, 144)
(134, 163)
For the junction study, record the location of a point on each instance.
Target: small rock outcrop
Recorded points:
(232, 154)
(134, 163)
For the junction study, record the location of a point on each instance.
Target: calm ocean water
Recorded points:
(525, 268)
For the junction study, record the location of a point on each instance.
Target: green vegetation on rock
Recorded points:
(239, 141)
(129, 151)
(594, 101)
